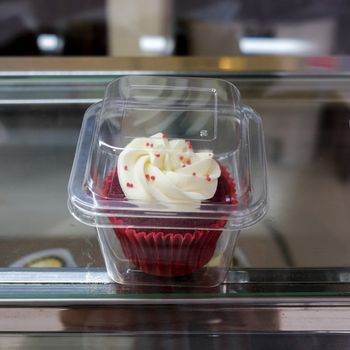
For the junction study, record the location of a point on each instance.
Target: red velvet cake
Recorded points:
(175, 251)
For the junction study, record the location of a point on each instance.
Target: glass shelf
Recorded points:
(296, 256)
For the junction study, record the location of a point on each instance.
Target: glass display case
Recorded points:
(290, 276)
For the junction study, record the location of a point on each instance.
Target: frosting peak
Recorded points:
(167, 171)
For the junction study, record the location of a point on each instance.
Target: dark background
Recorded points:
(82, 25)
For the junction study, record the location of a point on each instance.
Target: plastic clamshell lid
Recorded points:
(208, 113)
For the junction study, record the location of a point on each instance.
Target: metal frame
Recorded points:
(225, 65)
(79, 286)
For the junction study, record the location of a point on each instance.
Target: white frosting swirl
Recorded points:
(158, 170)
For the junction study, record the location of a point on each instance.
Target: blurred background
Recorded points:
(168, 27)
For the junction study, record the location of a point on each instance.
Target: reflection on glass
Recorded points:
(306, 124)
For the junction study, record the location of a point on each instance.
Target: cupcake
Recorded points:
(156, 171)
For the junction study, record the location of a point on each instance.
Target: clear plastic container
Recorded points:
(169, 170)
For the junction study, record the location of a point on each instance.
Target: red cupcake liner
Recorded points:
(171, 252)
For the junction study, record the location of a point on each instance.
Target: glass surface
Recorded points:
(307, 133)
(306, 125)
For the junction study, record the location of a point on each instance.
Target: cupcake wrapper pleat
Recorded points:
(168, 254)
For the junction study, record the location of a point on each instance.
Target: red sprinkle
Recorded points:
(208, 178)
(164, 136)
(131, 185)
(188, 161)
(125, 167)
(194, 174)
(181, 158)
(147, 177)
(153, 177)
(189, 145)
(147, 144)
(151, 144)
(157, 155)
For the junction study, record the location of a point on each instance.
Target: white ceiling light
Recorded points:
(156, 44)
(276, 46)
(49, 43)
